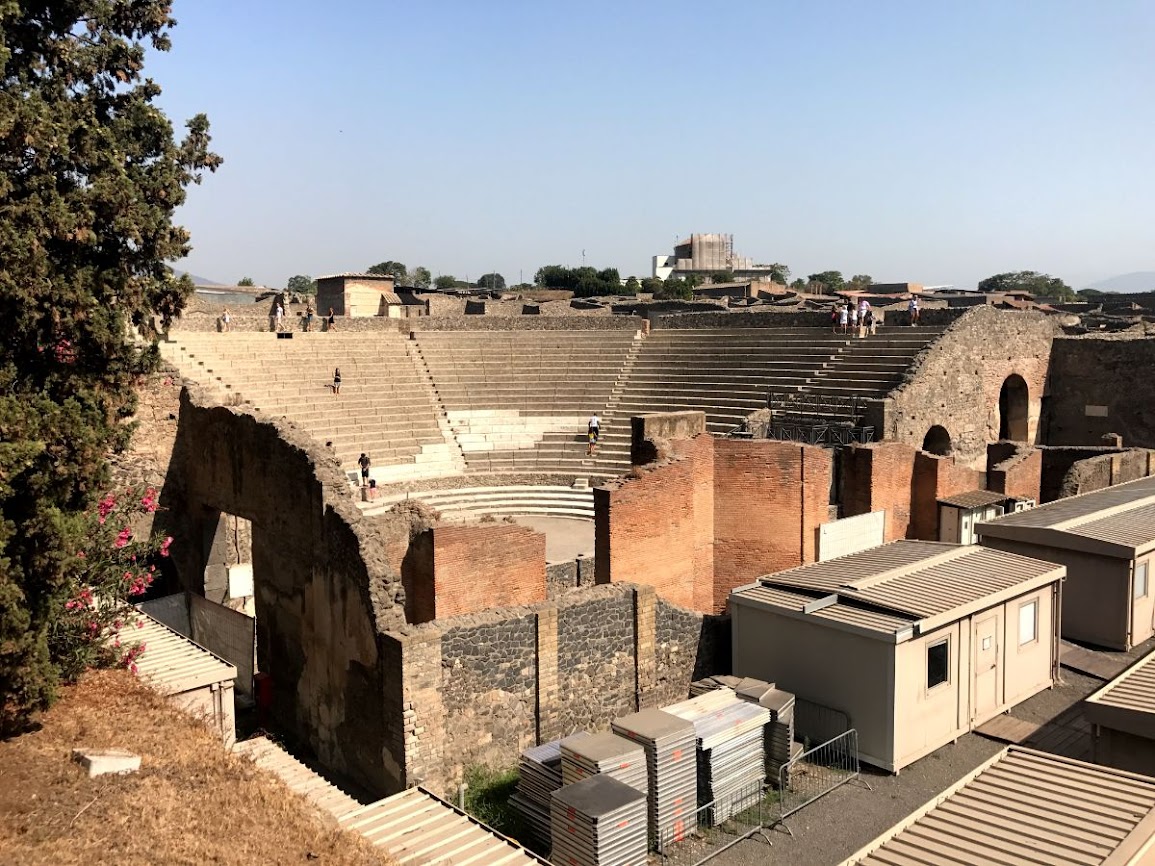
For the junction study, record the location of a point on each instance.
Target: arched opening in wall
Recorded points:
(937, 441)
(1013, 408)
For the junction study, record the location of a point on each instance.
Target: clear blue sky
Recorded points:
(936, 142)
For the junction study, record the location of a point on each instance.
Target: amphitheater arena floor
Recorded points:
(564, 538)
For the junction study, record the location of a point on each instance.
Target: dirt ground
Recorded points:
(190, 803)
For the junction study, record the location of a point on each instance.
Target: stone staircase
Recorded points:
(297, 777)
(472, 502)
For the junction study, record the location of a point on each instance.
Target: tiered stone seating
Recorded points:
(471, 502)
(518, 401)
(385, 408)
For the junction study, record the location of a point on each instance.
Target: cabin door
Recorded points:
(986, 668)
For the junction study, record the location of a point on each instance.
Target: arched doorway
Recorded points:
(937, 441)
(1013, 408)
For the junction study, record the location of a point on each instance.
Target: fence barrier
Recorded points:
(721, 824)
(816, 773)
(816, 723)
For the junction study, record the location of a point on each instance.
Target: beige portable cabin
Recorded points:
(1106, 540)
(189, 675)
(916, 642)
(1026, 807)
(1122, 717)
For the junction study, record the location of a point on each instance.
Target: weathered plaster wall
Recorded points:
(1102, 384)
(956, 382)
(323, 588)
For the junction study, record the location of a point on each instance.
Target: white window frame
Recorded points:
(1033, 606)
(1141, 568)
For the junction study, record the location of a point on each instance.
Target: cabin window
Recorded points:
(1140, 580)
(937, 664)
(1028, 622)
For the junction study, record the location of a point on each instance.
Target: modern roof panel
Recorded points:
(171, 663)
(974, 499)
(1122, 515)
(1025, 807)
(1133, 689)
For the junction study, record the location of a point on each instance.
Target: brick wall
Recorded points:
(654, 528)
(474, 567)
(1015, 470)
(879, 477)
(770, 498)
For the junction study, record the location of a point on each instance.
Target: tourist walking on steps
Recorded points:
(834, 319)
(308, 317)
(364, 462)
(912, 308)
(332, 319)
(226, 320)
(336, 381)
(593, 432)
(869, 323)
(843, 316)
(853, 318)
(279, 312)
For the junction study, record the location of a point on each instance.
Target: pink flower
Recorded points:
(132, 667)
(106, 506)
(80, 555)
(149, 500)
(140, 623)
(123, 538)
(165, 545)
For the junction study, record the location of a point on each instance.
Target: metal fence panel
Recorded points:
(722, 824)
(817, 772)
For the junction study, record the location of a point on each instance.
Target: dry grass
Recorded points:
(191, 802)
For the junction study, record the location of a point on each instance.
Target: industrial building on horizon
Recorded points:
(704, 254)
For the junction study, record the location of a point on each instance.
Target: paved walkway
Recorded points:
(564, 538)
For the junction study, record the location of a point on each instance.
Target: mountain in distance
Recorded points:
(1139, 281)
(197, 281)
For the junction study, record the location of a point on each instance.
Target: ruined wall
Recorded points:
(574, 322)
(323, 587)
(476, 566)
(481, 688)
(657, 528)
(1102, 384)
(880, 477)
(769, 500)
(956, 382)
(1015, 469)
(1103, 470)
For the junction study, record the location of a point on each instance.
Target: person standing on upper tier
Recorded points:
(593, 433)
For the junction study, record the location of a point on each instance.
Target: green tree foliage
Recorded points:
(652, 285)
(420, 278)
(825, 282)
(722, 277)
(779, 273)
(632, 285)
(245, 281)
(675, 289)
(302, 284)
(445, 281)
(1090, 294)
(390, 268)
(493, 282)
(584, 282)
(799, 285)
(90, 174)
(860, 281)
(1040, 285)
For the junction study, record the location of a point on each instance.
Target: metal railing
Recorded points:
(718, 826)
(816, 723)
(816, 773)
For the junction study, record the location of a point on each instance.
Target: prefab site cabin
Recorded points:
(1106, 540)
(1122, 718)
(916, 641)
(958, 514)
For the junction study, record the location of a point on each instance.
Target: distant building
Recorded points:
(705, 254)
(358, 295)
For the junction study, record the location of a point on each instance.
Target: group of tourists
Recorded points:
(846, 316)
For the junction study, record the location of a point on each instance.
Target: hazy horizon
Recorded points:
(909, 141)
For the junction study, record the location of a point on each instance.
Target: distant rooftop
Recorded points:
(353, 275)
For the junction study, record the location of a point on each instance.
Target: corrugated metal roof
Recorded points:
(1025, 807)
(419, 829)
(1122, 514)
(890, 588)
(171, 663)
(1133, 689)
(974, 499)
(353, 274)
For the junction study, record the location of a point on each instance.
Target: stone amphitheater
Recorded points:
(405, 643)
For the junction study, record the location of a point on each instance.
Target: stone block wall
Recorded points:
(1102, 384)
(784, 317)
(1102, 470)
(480, 689)
(1015, 469)
(956, 382)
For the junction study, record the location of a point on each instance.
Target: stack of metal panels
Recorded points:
(731, 767)
(780, 745)
(539, 775)
(671, 765)
(605, 754)
(709, 684)
(598, 821)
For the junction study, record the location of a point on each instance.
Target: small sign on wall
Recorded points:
(1095, 411)
(241, 580)
(851, 534)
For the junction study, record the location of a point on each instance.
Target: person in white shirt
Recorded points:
(594, 431)
(912, 308)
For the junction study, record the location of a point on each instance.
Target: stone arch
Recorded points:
(1014, 408)
(937, 441)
